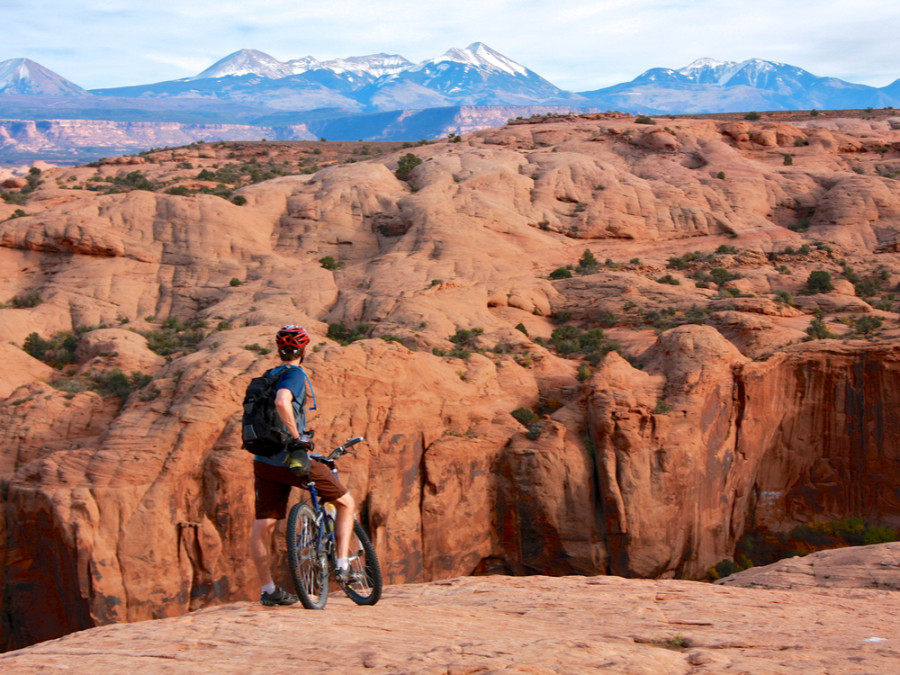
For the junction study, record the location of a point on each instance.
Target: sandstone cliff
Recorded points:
(696, 413)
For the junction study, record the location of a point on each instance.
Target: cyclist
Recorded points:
(274, 476)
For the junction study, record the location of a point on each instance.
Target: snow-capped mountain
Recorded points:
(476, 75)
(255, 62)
(24, 76)
(387, 97)
(708, 85)
(479, 56)
(752, 72)
(245, 62)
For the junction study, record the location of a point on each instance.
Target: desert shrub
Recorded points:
(867, 288)
(584, 372)
(720, 275)
(27, 300)
(174, 336)
(683, 261)
(117, 383)
(239, 200)
(668, 279)
(524, 416)
(587, 263)
(179, 190)
(592, 345)
(560, 273)
(465, 337)
(817, 330)
(725, 249)
(331, 264)
(534, 432)
(406, 164)
(235, 282)
(819, 281)
(643, 119)
(521, 328)
(752, 116)
(788, 160)
(785, 298)
(721, 175)
(867, 324)
(607, 319)
(58, 351)
(344, 335)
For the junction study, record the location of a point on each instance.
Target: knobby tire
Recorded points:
(365, 586)
(308, 562)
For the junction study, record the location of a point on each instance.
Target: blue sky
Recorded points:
(578, 45)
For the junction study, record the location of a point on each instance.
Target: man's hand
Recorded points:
(298, 457)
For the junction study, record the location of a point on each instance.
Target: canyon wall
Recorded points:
(672, 401)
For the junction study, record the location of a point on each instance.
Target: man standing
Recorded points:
(274, 476)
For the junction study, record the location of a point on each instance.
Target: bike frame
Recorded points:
(325, 535)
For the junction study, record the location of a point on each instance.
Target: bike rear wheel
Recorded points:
(307, 558)
(364, 587)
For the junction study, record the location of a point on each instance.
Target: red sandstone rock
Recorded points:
(534, 624)
(123, 510)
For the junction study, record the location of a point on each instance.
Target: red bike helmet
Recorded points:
(291, 341)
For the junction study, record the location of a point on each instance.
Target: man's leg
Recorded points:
(343, 523)
(260, 539)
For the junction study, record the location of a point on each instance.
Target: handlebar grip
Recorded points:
(353, 441)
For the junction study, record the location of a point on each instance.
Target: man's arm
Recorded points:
(284, 404)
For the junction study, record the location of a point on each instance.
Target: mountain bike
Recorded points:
(312, 550)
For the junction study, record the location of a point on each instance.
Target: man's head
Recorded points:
(291, 342)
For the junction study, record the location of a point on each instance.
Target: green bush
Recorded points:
(568, 340)
(819, 281)
(57, 352)
(817, 330)
(406, 164)
(752, 116)
(117, 383)
(867, 324)
(27, 300)
(668, 279)
(587, 263)
(344, 335)
(643, 119)
(524, 416)
(560, 273)
(331, 264)
(176, 337)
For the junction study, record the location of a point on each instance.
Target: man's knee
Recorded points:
(346, 501)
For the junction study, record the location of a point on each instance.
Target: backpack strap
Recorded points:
(279, 369)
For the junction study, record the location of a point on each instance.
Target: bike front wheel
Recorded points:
(364, 585)
(307, 558)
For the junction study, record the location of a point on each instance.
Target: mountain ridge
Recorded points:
(250, 87)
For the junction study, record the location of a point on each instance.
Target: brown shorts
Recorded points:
(273, 487)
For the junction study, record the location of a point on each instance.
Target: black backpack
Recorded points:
(262, 431)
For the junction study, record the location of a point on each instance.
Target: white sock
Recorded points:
(269, 587)
(343, 563)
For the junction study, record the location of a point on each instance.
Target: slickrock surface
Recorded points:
(496, 624)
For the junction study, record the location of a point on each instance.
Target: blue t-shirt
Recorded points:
(292, 378)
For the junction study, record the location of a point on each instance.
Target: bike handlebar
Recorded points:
(344, 447)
